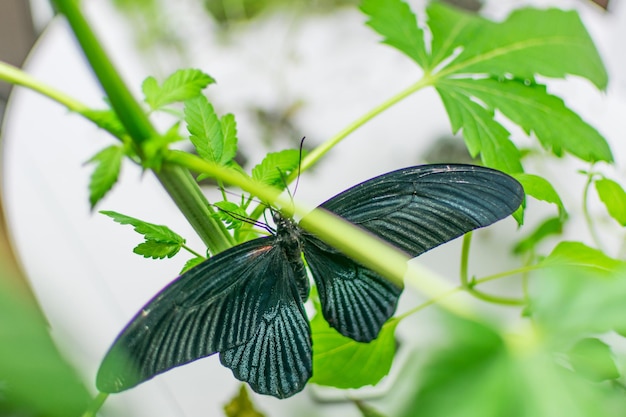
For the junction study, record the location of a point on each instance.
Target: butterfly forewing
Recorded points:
(419, 208)
(415, 209)
(213, 307)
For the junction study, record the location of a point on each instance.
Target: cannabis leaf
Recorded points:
(478, 67)
(180, 86)
(215, 140)
(276, 166)
(160, 241)
(108, 164)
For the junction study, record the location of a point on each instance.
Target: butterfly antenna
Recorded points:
(295, 188)
(248, 220)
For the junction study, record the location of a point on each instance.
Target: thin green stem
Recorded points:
(193, 252)
(95, 405)
(14, 75)
(469, 285)
(586, 214)
(312, 157)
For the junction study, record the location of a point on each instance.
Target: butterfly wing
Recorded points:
(225, 302)
(415, 209)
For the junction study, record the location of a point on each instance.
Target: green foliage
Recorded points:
(592, 358)
(180, 86)
(495, 70)
(108, 164)
(614, 198)
(241, 406)
(160, 241)
(191, 263)
(35, 379)
(541, 189)
(276, 167)
(341, 362)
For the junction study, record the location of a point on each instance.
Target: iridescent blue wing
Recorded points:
(415, 209)
(230, 301)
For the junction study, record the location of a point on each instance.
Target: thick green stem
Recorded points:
(183, 189)
(128, 110)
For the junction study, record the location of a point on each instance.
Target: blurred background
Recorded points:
(287, 69)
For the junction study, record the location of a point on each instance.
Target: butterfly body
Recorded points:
(247, 302)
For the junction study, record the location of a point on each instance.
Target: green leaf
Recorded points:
(108, 164)
(231, 214)
(182, 85)
(341, 362)
(593, 359)
(35, 379)
(614, 198)
(157, 250)
(582, 257)
(539, 188)
(549, 227)
(160, 241)
(574, 298)
(394, 20)
(276, 166)
(191, 263)
(241, 405)
(530, 106)
(482, 134)
(229, 133)
(207, 133)
(480, 374)
(367, 410)
(107, 120)
(552, 43)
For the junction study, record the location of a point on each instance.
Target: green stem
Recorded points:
(14, 75)
(95, 405)
(128, 110)
(193, 252)
(469, 285)
(586, 214)
(185, 192)
(312, 157)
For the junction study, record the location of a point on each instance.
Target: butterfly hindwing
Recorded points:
(355, 300)
(216, 306)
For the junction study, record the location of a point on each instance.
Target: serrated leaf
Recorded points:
(182, 85)
(150, 231)
(157, 250)
(276, 166)
(530, 106)
(551, 42)
(205, 129)
(108, 164)
(482, 134)
(231, 214)
(541, 189)
(191, 263)
(593, 359)
(341, 362)
(229, 133)
(394, 20)
(614, 198)
(582, 257)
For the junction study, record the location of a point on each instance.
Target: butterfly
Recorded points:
(247, 303)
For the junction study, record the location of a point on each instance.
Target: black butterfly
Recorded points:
(247, 302)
